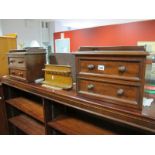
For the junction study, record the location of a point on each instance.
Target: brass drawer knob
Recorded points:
(120, 92)
(91, 66)
(90, 86)
(122, 69)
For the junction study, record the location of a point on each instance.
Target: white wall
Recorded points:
(59, 26)
(0, 28)
(31, 29)
(51, 32)
(73, 24)
(27, 30)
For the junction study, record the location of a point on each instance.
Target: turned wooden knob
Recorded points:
(13, 73)
(120, 92)
(122, 69)
(20, 74)
(12, 61)
(20, 62)
(90, 86)
(91, 66)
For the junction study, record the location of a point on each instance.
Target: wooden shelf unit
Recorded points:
(27, 106)
(64, 112)
(3, 123)
(74, 126)
(6, 43)
(27, 125)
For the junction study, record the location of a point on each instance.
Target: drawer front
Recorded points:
(21, 74)
(114, 69)
(109, 92)
(17, 62)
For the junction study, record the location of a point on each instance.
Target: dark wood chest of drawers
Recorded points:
(112, 74)
(26, 65)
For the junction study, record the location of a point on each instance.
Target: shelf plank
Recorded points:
(75, 126)
(27, 125)
(27, 106)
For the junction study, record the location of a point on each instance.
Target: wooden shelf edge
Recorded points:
(27, 125)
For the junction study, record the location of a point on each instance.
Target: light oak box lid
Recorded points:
(113, 50)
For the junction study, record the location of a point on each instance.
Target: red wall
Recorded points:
(111, 35)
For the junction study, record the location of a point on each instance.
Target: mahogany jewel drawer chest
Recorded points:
(27, 64)
(112, 74)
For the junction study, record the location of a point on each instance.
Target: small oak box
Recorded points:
(27, 64)
(58, 76)
(113, 75)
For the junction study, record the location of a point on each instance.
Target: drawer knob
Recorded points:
(12, 61)
(20, 74)
(90, 86)
(20, 62)
(91, 66)
(13, 73)
(120, 92)
(122, 69)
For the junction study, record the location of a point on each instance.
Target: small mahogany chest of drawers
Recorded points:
(27, 64)
(113, 75)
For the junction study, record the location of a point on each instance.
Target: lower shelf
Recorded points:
(27, 125)
(29, 107)
(75, 126)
